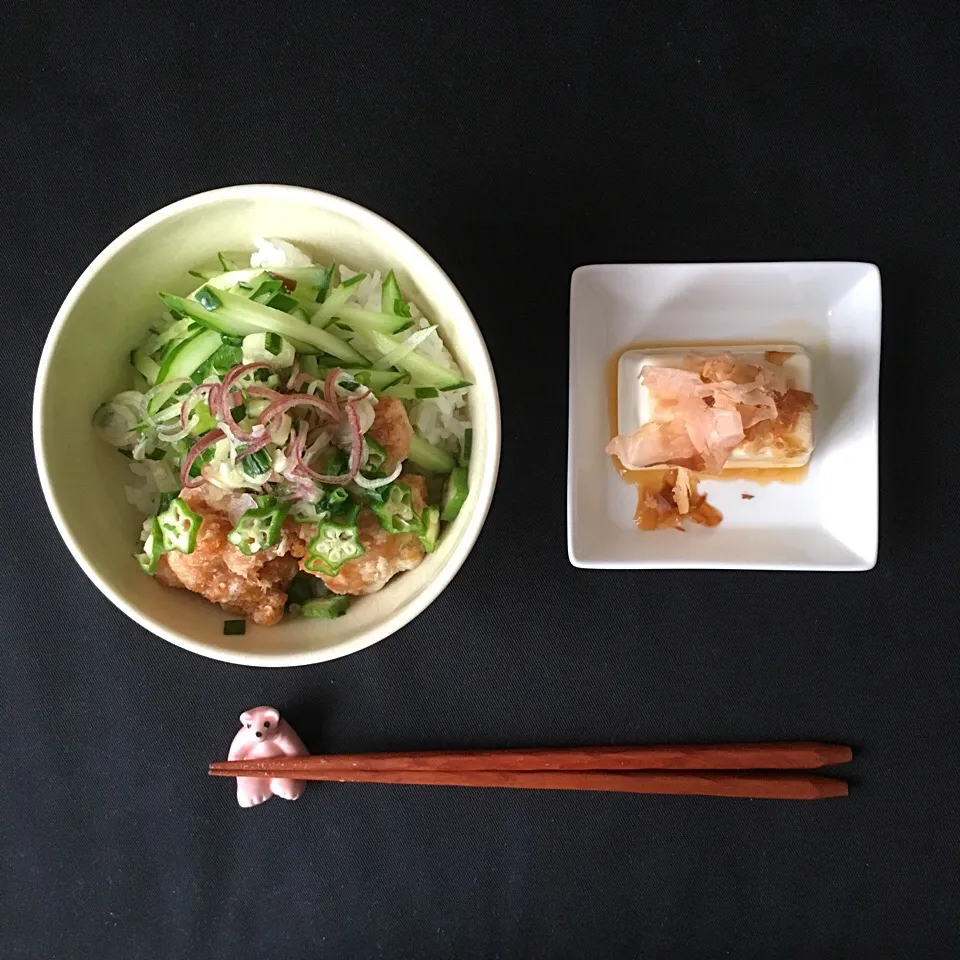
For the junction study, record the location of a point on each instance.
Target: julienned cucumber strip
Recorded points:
(466, 448)
(320, 303)
(454, 494)
(421, 368)
(369, 320)
(315, 280)
(390, 294)
(238, 317)
(335, 299)
(376, 380)
(391, 299)
(224, 281)
(407, 391)
(429, 456)
(189, 355)
(309, 365)
(148, 368)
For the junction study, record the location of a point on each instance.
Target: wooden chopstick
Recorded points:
(760, 786)
(728, 756)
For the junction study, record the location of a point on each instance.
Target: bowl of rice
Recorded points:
(251, 414)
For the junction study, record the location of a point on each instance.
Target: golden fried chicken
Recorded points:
(386, 554)
(391, 429)
(253, 586)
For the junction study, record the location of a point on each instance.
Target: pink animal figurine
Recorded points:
(265, 734)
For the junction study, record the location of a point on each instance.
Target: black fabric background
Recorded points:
(515, 141)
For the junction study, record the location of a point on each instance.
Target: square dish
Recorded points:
(832, 309)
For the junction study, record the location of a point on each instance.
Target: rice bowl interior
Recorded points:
(86, 359)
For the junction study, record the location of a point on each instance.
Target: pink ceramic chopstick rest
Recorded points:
(265, 734)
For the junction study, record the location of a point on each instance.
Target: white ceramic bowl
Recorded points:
(85, 361)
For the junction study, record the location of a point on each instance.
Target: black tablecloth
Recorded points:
(515, 141)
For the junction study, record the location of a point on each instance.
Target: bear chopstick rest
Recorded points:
(264, 734)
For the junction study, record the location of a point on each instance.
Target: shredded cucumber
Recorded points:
(408, 391)
(238, 317)
(224, 281)
(335, 299)
(429, 455)
(377, 380)
(309, 280)
(189, 356)
(398, 352)
(145, 365)
(369, 320)
(391, 300)
(423, 370)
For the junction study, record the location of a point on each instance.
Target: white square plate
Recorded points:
(827, 522)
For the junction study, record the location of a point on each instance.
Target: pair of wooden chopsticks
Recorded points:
(691, 770)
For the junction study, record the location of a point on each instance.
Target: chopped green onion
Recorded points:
(283, 301)
(234, 628)
(205, 457)
(228, 356)
(257, 464)
(267, 290)
(335, 497)
(273, 343)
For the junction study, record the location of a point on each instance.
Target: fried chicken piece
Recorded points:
(386, 554)
(253, 586)
(391, 429)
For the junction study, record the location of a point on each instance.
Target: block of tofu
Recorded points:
(637, 406)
